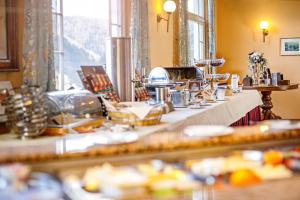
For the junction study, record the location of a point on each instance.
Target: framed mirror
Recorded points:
(8, 39)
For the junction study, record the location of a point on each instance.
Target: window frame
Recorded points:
(200, 21)
(60, 51)
(122, 11)
(119, 23)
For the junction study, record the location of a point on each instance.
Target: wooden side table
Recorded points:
(266, 92)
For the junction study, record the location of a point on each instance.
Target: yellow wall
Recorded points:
(16, 77)
(161, 41)
(238, 34)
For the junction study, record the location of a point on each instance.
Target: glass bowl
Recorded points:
(217, 62)
(219, 77)
(201, 63)
(121, 115)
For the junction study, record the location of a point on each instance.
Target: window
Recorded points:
(196, 29)
(58, 39)
(81, 28)
(115, 19)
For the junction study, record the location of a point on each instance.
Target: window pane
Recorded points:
(201, 8)
(115, 30)
(194, 40)
(57, 33)
(86, 28)
(56, 6)
(114, 11)
(196, 7)
(201, 51)
(201, 33)
(58, 65)
(193, 6)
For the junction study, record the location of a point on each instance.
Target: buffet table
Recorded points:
(220, 113)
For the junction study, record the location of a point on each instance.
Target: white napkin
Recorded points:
(140, 111)
(108, 105)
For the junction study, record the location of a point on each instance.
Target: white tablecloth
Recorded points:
(220, 113)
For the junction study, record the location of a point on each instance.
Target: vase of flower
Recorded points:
(255, 74)
(257, 65)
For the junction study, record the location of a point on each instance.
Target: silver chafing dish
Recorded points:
(158, 78)
(72, 108)
(180, 98)
(171, 77)
(168, 78)
(159, 86)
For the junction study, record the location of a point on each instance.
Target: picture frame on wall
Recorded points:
(290, 46)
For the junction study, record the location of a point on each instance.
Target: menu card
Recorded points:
(95, 79)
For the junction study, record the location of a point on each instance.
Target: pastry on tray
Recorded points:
(134, 181)
(84, 127)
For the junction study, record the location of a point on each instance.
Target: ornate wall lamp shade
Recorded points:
(169, 7)
(264, 25)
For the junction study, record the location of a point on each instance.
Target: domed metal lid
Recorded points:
(159, 76)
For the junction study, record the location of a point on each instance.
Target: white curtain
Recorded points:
(181, 46)
(38, 59)
(139, 31)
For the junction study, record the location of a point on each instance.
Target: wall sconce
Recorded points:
(169, 8)
(264, 25)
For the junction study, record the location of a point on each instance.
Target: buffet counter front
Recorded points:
(158, 145)
(248, 163)
(220, 113)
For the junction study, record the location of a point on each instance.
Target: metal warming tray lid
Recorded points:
(159, 77)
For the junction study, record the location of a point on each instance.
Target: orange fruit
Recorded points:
(243, 177)
(273, 157)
